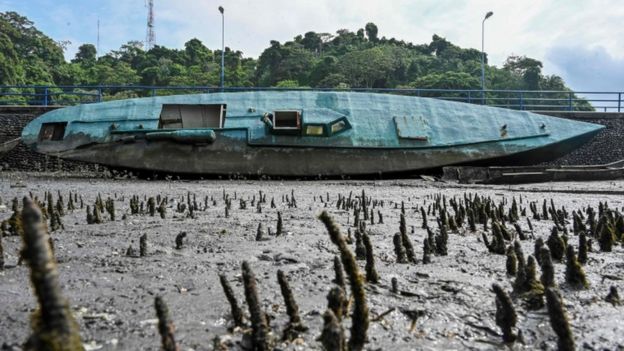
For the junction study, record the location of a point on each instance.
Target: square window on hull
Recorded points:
(286, 120)
(177, 116)
(52, 131)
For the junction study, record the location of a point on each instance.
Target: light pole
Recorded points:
(222, 46)
(487, 15)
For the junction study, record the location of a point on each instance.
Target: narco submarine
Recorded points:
(300, 133)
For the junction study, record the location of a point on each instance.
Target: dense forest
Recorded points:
(344, 59)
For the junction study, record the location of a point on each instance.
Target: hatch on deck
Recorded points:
(176, 116)
(413, 128)
(52, 131)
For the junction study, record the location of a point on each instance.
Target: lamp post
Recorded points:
(487, 15)
(222, 47)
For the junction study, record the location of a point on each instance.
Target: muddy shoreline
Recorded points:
(112, 295)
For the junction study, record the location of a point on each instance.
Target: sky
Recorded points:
(580, 40)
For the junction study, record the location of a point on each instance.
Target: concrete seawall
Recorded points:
(608, 146)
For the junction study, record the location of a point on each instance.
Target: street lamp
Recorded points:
(222, 46)
(487, 15)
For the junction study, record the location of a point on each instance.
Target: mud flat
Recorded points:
(446, 304)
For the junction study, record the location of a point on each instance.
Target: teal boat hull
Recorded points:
(336, 134)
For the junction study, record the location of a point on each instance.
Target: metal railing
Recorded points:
(530, 100)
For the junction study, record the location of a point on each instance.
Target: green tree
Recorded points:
(364, 67)
(324, 67)
(9, 62)
(371, 31)
(38, 55)
(447, 80)
(71, 74)
(268, 62)
(530, 70)
(131, 53)
(340, 60)
(119, 74)
(28, 41)
(86, 55)
(334, 80)
(290, 61)
(312, 41)
(196, 53)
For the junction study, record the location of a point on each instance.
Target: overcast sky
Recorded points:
(581, 40)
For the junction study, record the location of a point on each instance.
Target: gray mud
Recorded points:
(112, 295)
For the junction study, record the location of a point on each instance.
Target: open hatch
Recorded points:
(286, 122)
(52, 131)
(178, 116)
(283, 122)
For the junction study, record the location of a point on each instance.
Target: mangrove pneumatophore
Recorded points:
(583, 248)
(143, 245)
(548, 270)
(279, 225)
(537, 249)
(556, 245)
(533, 290)
(295, 325)
(395, 285)
(506, 317)
(613, 297)
(371, 272)
(337, 302)
(360, 249)
(511, 263)
(261, 340)
(179, 240)
(359, 325)
(332, 337)
(235, 311)
(519, 283)
(165, 326)
(1, 254)
(426, 251)
(339, 278)
(606, 237)
(575, 275)
(54, 327)
(559, 320)
(407, 243)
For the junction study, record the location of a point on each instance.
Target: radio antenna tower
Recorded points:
(98, 37)
(151, 36)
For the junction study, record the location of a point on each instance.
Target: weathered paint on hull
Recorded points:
(226, 156)
(377, 133)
